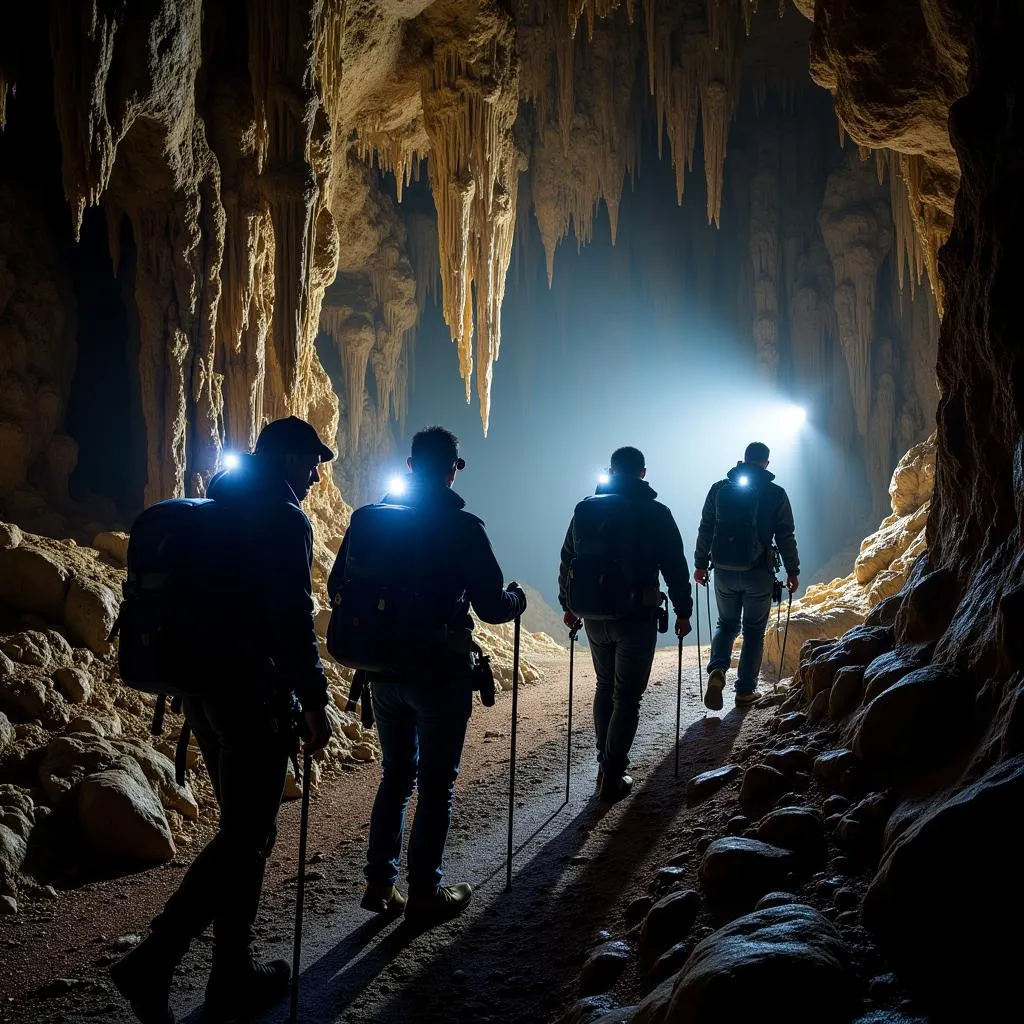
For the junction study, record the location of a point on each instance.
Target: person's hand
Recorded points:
(318, 726)
(514, 588)
(700, 577)
(572, 620)
(683, 628)
(792, 582)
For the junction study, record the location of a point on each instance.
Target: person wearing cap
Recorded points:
(244, 729)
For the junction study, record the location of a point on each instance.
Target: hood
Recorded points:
(758, 475)
(629, 487)
(249, 481)
(426, 494)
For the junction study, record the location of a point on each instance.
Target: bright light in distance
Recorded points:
(229, 460)
(603, 478)
(744, 480)
(794, 416)
(397, 485)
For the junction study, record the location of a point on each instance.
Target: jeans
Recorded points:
(422, 728)
(246, 754)
(747, 597)
(623, 652)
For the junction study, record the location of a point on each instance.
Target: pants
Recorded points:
(623, 652)
(422, 729)
(246, 753)
(742, 597)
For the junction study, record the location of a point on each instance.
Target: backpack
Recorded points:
(603, 581)
(735, 544)
(388, 613)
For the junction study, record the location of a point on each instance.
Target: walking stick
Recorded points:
(307, 763)
(679, 701)
(573, 633)
(512, 758)
(785, 635)
(700, 674)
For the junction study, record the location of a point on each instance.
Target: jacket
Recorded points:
(774, 520)
(275, 581)
(663, 553)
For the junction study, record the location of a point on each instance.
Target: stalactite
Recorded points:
(878, 449)
(764, 252)
(714, 107)
(6, 88)
(423, 255)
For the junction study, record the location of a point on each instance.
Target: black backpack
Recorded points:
(389, 610)
(603, 579)
(735, 544)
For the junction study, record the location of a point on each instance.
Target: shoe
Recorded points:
(615, 788)
(143, 977)
(239, 988)
(713, 693)
(446, 902)
(382, 899)
(744, 700)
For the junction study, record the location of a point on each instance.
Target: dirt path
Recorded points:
(512, 956)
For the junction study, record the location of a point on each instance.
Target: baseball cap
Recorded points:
(291, 436)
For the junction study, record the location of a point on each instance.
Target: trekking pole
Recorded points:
(679, 701)
(512, 758)
(573, 633)
(700, 677)
(785, 634)
(707, 599)
(307, 762)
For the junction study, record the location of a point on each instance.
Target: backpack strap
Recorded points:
(181, 753)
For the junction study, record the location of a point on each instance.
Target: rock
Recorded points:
(830, 766)
(7, 734)
(10, 536)
(588, 1010)
(783, 963)
(671, 960)
(12, 855)
(864, 825)
(668, 922)
(702, 786)
(846, 690)
(8, 906)
(928, 607)
(790, 760)
(923, 919)
(159, 772)
(669, 875)
(89, 613)
(122, 818)
(836, 804)
(737, 871)
(31, 580)
(604, 967)
(74, 683)
(797, 829)
(114, 544)
(791, 722)
(44, 649)
(69, 759)
(921, 716)
(775, 899)
(363, 752)
(818, 708)
(761, 783)
(845, 898)
(28, 695)
(737, 824)
(637, 909)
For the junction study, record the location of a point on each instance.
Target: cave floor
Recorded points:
(512, 956)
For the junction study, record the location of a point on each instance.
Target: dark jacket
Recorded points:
(277, 548)
(467, 571)
(774, 520)
(662, 553)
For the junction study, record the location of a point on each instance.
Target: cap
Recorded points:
(291, 436)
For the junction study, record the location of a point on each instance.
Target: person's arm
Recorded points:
(288, 599)
(568, 554)
(785, 536)
(672, 563)
(485, 585)
(705, 532)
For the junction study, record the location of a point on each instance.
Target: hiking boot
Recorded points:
(713, 693)
(744, 700)
(444, 903)
(615, 788)
(240, 987)
(143, 977)
(382, 899)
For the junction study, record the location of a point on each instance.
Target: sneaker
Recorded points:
(237, 990)
(446, 902)
(713, 693)
(615, 788)
(143, 977)
(744, 700)
(382, 899)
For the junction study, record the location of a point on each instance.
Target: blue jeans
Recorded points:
(741, 597)
(422, 728)
(623, 652)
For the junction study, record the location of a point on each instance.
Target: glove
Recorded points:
(572, 620)
(514, 588)
(792, 582)
(700, 577)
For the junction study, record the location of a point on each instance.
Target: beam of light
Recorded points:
(603, 478)
(793, 417)
(230, 460)
(744, 480)
(397, 485)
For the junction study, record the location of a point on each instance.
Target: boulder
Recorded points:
(604, 967)
(830, 766)
(890, 668)
(28, 695)
(783, 963)
(798, 829)
(69, 759)
(45, 649)
(953, 873)
(32, 580)
(928, 607)
(736, 871)
(589, 1010)
(74, 683)
(668, 922)
(790, 760)
(702, 786)
(819, 707)
(846, 691)
(89, 613)
(12, 855)
(10, 536)
(761, 783)
(775, 899)
(863, 826)
(114, 544)
(7, 734)
(922, 716)
(159, 772)
(790, 722)
(121, 818)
